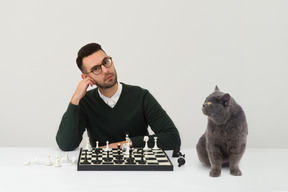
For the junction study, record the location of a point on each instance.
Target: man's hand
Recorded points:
(82, 89)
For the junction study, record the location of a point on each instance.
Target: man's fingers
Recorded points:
(90, 81)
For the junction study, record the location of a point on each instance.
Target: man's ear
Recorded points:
(83, 75)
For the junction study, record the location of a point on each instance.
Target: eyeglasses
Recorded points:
(107, 62)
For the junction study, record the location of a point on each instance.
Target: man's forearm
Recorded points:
(70, 131)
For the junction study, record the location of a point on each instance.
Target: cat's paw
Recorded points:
(215, 173)
(236, 172)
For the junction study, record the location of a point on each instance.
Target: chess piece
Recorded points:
(97, 161)
(181, 160)
(108, 158)
(85, 158)
(49, 161)
(146, 139)
(155, 144)
(33, 162)
(119, 157)
(57, 163)
(130, 159)
(176, 152)
(65, 159)
(73, 161)
(126, 146)
(107, 146)
(118, 146)
(27, 163)
(97, 144)
(88, 145)
(142, 161)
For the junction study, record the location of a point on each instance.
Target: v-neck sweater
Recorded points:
(135, 110)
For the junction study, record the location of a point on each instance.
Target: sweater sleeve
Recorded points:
(71, 128)
(168, 137)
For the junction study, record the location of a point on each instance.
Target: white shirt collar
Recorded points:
(113, 100)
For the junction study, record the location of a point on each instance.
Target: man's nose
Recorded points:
(104, 69)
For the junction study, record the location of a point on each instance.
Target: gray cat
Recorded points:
(224, 140)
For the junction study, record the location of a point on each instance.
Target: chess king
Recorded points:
(112, 109)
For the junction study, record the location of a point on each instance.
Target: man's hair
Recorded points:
(85, 51)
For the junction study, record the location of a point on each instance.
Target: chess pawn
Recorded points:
(107, 146)
(27, 163)
(33, 162)
(146, 139)
(49, 163)
(155, 145)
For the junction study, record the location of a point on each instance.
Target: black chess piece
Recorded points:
(119, 146)
(181, 160)
(119, 157)
(97, 161)
(85, 158)
(107, 158)
(176, 152)
(142, 161)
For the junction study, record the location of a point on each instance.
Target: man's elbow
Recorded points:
(65, 147)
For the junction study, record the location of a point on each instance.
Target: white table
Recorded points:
(263, 170)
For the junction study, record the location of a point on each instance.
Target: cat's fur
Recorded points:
(224, 140)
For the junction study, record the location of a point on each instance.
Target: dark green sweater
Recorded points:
(134, 111)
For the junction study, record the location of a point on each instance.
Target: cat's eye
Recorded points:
(209, 103)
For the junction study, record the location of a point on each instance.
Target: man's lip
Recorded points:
(108, 77)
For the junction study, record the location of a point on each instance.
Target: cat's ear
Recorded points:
(216, 88)
(225, 99)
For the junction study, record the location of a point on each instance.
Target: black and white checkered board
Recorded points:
(154, 160)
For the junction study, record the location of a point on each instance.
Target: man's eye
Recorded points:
(96, 68)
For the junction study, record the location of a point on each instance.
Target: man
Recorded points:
(113, 109)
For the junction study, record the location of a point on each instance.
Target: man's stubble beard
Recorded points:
(109, 84)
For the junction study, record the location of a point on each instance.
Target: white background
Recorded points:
(178, 49)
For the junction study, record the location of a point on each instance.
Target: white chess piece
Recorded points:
(146, 139)
(73, 161)
(33, 162)
(126, 146)
(97, 144)
(88, 146)
(65, 159)
(107, 146)
(27, 163)
(57, 163)
(127, 137)
(49, 163)
(155, 143)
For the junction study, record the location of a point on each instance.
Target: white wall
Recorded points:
(178, 49)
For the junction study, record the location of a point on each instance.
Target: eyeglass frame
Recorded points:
(100, 66)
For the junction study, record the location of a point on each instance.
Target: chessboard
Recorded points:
(116, 160)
